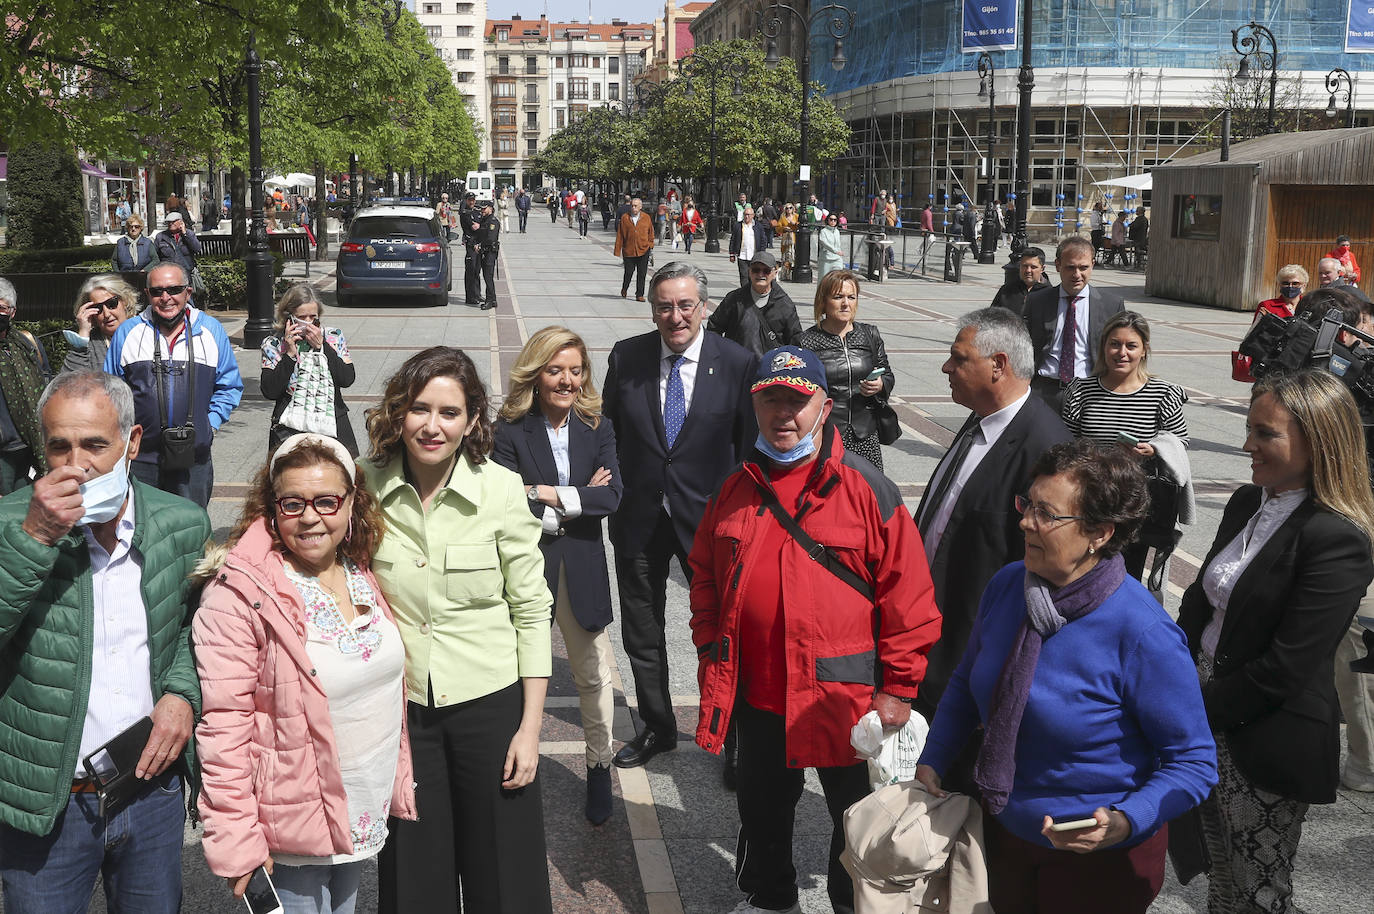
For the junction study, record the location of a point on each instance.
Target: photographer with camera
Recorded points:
(185, 380)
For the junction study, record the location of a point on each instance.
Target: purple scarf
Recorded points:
(1046, 613)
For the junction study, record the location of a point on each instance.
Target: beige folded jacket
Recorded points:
(909, 852)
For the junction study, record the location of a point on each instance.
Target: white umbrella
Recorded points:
(1140, 182)
(277, 181)
(300, 179)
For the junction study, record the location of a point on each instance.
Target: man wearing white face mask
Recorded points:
(811, 606)
(95, 614)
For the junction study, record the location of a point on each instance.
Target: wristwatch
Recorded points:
(532, 493)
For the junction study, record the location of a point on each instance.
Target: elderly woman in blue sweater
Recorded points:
(1094, 731)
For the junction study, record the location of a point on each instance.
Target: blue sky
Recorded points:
(565, 10)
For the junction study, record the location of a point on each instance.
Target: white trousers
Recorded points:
(589, 656)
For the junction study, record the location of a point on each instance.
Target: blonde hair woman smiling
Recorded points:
(553, 434)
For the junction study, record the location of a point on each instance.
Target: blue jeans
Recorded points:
(137, 850)
(194, 484)
(318, 889)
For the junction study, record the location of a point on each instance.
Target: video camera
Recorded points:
(1288, 344)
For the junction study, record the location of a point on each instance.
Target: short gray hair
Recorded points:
(84, 383)
(999, 330)
(185, 276)
(676, 269)
(8, 294)
(1340, 268)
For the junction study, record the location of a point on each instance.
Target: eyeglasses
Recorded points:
(682, 308)
(760, 271)
(324, 505)
(1037, 514)
(156, 291)
(1290, 285)
(109, 304)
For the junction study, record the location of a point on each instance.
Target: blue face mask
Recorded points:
(799, 452)
(102, 497)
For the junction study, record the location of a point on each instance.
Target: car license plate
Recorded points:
(389, 264)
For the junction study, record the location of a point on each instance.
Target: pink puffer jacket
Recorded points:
(269, 763)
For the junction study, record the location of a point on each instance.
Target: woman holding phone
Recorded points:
(460, 563)
(857, 371)
(305, 368)
(1093, 729)
(302, 741)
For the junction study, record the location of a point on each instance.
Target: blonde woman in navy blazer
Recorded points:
(553, 434)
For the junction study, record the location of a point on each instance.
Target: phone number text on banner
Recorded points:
(990, 25)
(1359, 28)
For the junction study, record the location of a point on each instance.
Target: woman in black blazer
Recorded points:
(1276, 594)
(553, 434)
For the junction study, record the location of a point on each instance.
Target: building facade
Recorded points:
(1119, 88)
(672, 38)
(726, 20)
(455, 28)
(542, 75)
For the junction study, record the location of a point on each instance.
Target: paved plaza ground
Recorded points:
(669, 846)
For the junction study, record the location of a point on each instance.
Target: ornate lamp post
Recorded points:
(259, 259)
(839, 22)
(987, 89)
(1249, 46)
(693, 67)
(1025, 82)
(1334, 79)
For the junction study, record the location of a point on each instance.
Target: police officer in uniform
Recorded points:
(487, 235)
(468, 220)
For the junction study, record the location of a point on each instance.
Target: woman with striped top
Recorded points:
(1122, 402)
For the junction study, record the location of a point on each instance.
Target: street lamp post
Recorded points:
(1025, 82)
(694, 67)
(1249, 46)
(1334, 79)
(839, 22)
(258, 262)
(987, 88)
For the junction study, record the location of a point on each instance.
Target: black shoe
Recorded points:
(643, 747)
(598, 794)
(472, 301)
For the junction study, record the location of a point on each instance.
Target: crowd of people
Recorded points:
(360, 670)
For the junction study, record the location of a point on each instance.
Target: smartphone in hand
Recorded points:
(1074, 824)
(876, 373)
(1125, 438)
(261, 894)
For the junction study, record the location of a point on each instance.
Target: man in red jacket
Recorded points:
(794, 648)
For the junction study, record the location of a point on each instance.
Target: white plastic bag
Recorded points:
(891, 756)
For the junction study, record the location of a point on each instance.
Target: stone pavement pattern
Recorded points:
(669, 845)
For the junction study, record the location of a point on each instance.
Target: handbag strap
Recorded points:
(815, 550)
(160, 374)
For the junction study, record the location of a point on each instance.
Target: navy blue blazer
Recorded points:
(720, 427)
(523, 446)
(760, 237)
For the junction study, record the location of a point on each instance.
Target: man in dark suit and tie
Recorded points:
(679, 401)
(1066, 321)
(967, 519)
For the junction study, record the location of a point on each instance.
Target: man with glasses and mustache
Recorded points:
(679, 401)
(185, 380)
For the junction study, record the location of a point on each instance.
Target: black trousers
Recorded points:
(637, 267)
(767, 792)
(472, 274)
(743, 266)
(524, 215)
(643, 581)
(489, 273)
(472, 840)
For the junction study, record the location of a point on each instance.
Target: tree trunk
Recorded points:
(321, 214)
(238, 213)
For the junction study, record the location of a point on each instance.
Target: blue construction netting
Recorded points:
(898, 38)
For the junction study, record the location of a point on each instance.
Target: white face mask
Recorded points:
(102, 497)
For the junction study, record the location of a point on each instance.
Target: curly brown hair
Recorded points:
(385, 421)
(367, 522)
(1111, 487)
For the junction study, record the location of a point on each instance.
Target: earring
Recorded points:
(1091, 549)
(349, 535)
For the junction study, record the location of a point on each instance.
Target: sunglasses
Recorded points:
(324, 505)
(109, 304)
(760, 271)
(156, 291)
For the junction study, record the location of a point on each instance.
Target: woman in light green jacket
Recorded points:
(828, 247)
(460, 565)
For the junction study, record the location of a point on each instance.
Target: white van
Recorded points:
(481, 183)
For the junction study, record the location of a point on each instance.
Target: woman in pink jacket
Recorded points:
(302, 741)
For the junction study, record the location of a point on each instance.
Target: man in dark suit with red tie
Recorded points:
(679, 400)
(967, 518)
(1061, 356)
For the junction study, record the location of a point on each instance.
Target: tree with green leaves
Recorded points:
(45, 198)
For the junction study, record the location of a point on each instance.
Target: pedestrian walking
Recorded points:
(634, 244)
(503, 209)
(522, 208)
(690, 222)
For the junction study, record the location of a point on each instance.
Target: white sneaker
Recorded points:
(745, 907)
